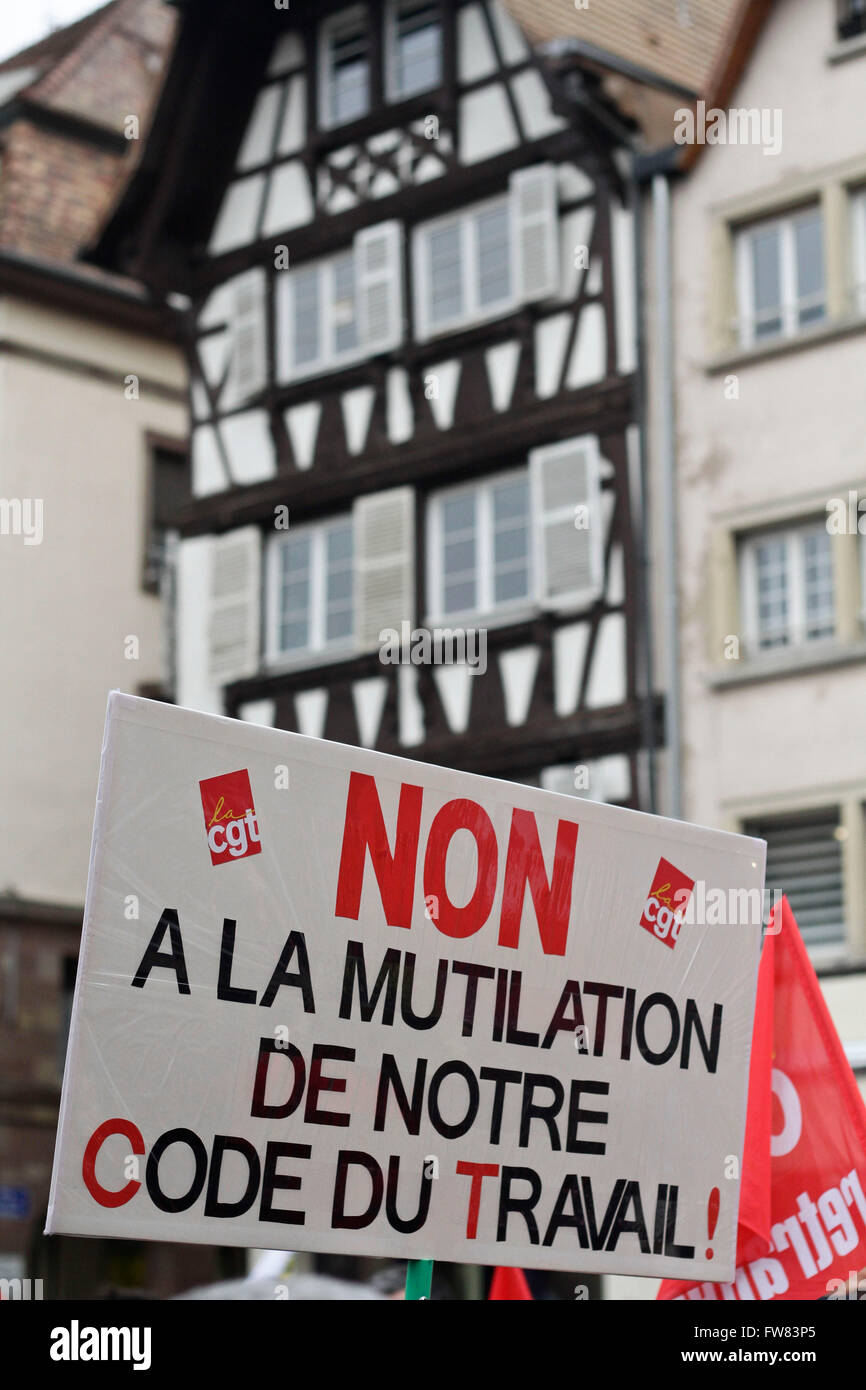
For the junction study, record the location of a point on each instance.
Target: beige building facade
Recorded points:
(768, 328)
(93, 460)
(77, 444)
(769, 334)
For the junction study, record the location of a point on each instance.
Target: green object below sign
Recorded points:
(419, 1277)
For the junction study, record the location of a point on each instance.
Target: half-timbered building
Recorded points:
(405, 245)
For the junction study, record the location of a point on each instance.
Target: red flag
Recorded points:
(508, 1285)
(802, 1223)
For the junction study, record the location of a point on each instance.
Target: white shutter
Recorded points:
(385, 563)
(804, 860)
(534, 232)
(565, 477)
(248, 365)
(379, 278)
(233, 619)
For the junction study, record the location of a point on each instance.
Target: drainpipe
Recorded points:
(666, 472)
(644, 635)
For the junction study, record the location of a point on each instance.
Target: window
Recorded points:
(345, 307)
(311, 588)
(312, 594)
(465, 266)
(780, 274)
(10, 980)
(519, 538)
(324, 319)
(850, 18)
(169, 489)
(485, 260)
(804, 860)
(345, 73)
(858, 249)
(787, 587)
(335, 311)
(481, 546)
(414, 48)
(412, 42)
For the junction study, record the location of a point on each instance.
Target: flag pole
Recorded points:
(419, 1277)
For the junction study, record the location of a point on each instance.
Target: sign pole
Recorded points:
(419, 1277)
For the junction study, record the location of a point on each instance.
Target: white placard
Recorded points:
(341, 1001)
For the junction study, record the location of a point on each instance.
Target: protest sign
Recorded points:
(802, 1225)
(349, 1002)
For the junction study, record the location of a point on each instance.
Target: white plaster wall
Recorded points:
(797, 426)
(797, 429)
(67, 605)
(475, 56)
(486, 124)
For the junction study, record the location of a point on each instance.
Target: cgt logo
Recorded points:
(230, 817)
(667, 901)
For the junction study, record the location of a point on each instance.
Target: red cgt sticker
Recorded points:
(230, 817)
(667, 902)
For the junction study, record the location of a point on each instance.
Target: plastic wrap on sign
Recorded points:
(343, 1001)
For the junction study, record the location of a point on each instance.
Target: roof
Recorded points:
(64, 102)
(678, 40)
(649, 56)
(46, 52)
(652, 54)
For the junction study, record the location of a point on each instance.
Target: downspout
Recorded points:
(642, 521)
(666, 463)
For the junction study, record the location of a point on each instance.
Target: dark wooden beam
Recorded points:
(333, 232)
(491, 443)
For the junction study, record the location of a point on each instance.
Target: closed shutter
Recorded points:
(535, 240)
(804, 860)
(379, 270)
(385, 563)
(248, 364)
(568, 521)
(233, 620)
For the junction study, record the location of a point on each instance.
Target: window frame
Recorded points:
(486, 606)
(328, 27)
(472, 312)
(392, 95)
(861, 567)
(786, 818)
(318, 646)
(160, 448)
(797, 638)
(857, 207)
(790, 305)
(850, 21)
(329, 358)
